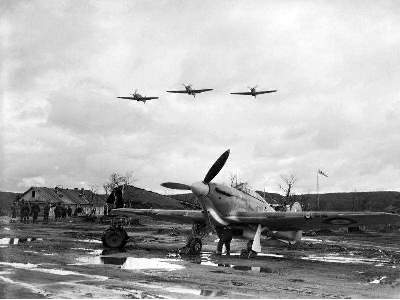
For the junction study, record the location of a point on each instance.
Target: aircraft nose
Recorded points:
(200, 188)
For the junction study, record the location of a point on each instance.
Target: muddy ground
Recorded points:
(66, 260)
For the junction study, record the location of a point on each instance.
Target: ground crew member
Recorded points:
(46, 212)
(69, 211)
(35, 209)
(63, 212)
(225, 237)
(57, 211)
(24, 212)
(13, 212)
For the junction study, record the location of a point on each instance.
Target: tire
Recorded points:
(115, 238)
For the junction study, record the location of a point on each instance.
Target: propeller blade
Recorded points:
(216, 167)
(176, 186)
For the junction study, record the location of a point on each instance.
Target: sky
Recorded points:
(335, 64)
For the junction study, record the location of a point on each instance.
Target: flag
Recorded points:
(322, 173)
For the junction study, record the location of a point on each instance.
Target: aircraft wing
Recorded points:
(202, 90)
(241, 93)
(307, 220)
(130, 98)
(265, 92)
(173, 215)
(149, 98)
(180, 92)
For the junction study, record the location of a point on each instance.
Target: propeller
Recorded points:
(176, 186)
(201, 188)
(216, 167)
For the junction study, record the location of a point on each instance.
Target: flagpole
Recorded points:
(317, 191)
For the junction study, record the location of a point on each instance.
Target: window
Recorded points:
(33, 193)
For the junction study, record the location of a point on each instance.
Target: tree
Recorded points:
(288, 181)
(117, 179)
(233, 179)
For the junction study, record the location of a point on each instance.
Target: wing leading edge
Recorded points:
(179, 92)
(265, 92)
(202, 90)
(313, 220)
(174, 215)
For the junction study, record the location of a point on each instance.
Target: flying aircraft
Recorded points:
(243, 214)
(253, 92)
(136, 96)
(188, 90)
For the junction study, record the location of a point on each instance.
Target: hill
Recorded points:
(140, 198)
(388, 201)
(371, 201)
(6, 199)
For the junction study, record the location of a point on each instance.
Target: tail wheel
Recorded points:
(114, 238)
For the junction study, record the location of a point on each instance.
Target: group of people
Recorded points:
(27, 210)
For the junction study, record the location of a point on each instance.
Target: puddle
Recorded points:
(35, 267)
(132, 263)
(196, 292)
(377, 281)
(206, 259)
(335, 258)
(90, 241)
(16, 241)
(182, 290)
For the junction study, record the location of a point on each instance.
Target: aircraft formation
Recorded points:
(236, 212)
(192, 92)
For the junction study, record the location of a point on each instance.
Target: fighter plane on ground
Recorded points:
(241, 214)
(253, 92)
(136, 96)
(188, 90)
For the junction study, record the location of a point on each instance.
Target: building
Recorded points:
(86, 199)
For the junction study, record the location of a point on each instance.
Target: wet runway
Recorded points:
(66, 260)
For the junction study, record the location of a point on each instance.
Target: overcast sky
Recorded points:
(335, 64)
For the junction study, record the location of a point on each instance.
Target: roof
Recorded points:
(67, 196)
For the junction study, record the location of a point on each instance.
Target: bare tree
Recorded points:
(93, 190)
(233, 179)
(288, 182)
(117, 179)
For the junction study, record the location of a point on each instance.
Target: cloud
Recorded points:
(335, 66)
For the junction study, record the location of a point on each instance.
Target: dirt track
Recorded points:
(66, 260)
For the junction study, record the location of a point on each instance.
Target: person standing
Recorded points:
(225, 237)
(46, 212)
(69, 211)
(35, 209)
(13, 212)
(24, 212)
(57, 211)
(63, 212)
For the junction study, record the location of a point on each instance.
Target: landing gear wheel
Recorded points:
(193, 247)
(114, 238)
